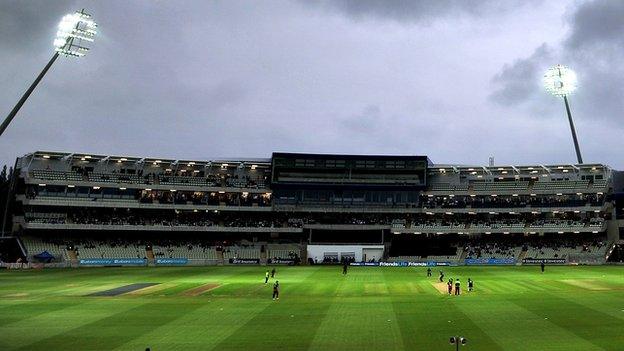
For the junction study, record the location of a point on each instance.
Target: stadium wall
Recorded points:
(371, 252)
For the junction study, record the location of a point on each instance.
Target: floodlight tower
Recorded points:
(561, 81)
(75, 32)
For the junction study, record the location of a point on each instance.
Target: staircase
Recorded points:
(521, 257)
(220, 258)
(149, 253)
(303, 254)
(463, 256)
(73, 258)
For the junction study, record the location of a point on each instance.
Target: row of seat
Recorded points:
(36, 246)
(565, 252)
(56, 175)
(190, 252)
(520, 185)
(46, 174)
(239, 252)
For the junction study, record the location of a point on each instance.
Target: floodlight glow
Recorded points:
(560, 80)
(74, 32)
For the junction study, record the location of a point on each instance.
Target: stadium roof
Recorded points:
(265, 162)
(512, 169)
(145, 160)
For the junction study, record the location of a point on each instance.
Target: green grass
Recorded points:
(372, 308)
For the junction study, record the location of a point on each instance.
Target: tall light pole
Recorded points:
(561, 81)
(75, 31)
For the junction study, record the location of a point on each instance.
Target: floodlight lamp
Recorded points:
(560, 80)
(75, 31)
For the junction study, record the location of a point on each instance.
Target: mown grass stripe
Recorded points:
(378, 328)
(524, 330)
(26, 310)
(27, 333)
(302, 320)
(345, 308)
(115, 329)
(594, 326)
(194, 331)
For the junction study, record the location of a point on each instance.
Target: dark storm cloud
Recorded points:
(367, 122)
(129, 95)
(375, 129)
(593, 47)
(235, 78)
(21, 22)
(416, 11)
(597, 23)
(517, 83)
(596, 45)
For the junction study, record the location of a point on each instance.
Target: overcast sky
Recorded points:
(458, 81)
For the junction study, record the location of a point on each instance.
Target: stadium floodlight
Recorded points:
(561, 81)
(75, 32)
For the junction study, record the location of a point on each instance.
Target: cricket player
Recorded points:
(276, 290)
(470, 284)
(266, 277)
(457, 284)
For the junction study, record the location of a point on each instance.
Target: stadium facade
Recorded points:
(104, 209)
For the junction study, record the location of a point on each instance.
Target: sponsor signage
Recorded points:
(112, 261)
(401, 264)
(172, 261)
(490, 261)
(429, 264)
(371, 264)
(544, 260)
(393, 264)
(280, 261)
(244, 261)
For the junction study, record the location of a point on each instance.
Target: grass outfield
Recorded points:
(372, 308)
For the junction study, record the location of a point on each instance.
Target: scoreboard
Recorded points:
(346, 171)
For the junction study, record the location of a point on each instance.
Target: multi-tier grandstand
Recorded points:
(86, 209)
(235, 221)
